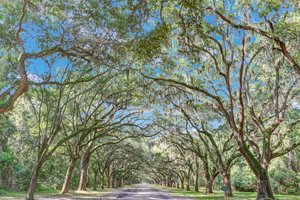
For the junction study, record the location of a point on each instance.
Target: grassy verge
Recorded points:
(5, 195)
(219, 195)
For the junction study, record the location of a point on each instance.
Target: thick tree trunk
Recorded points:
(209, 187)
(208, 179)
(264, 190)
(102, 179)
(188, 186)
(227, 183)
(182, 183)
(169, 182)
(66, 185)
(33, 181)
(188, 181)
(84, 167)
(83, 174)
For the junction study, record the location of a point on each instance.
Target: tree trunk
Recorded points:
(108, 177)
(119, 183)
(188, 180)
(188, 186)
(33, 181)
(264, 190)
(83, 174)
(209, 187)
(208, 178)
(182, 183)
(169, 182)
(227, 184)
(95, 180)
(113, 181)
(197, 176)
(84, 167)
(68, 177)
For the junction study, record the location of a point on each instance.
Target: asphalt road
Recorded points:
(142, 192)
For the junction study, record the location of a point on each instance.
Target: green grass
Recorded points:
(219, 195)
(5, 195)
(10, 194)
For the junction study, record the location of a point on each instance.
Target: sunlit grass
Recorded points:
(4, 194)
(219, 195)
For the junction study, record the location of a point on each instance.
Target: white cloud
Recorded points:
(35, 78)
(295, 104)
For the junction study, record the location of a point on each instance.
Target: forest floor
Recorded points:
(219, 195)
(139, 191)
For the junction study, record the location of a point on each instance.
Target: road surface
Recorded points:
(142, 192)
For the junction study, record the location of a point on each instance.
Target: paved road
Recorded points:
(142, 192)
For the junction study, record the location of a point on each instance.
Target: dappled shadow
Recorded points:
(143, 192)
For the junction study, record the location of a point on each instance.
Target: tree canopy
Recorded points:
(105, 93)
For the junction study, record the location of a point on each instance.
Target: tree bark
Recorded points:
(188, 180)
(209, 187)
(197, 176)
(33, 181)
(113, 181)
(84, 168)
(182, 183)
(227, 183)
(169, 182)
(68, 177)
(108, 177)
(264, 190)
(208, 178)
(95, 180)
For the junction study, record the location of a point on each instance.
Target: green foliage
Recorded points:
(6, 159)
(150, 45)
(242, 178)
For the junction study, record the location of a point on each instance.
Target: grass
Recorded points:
(219, 195)
(6, 195)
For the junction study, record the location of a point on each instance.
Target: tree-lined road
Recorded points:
(143, 192)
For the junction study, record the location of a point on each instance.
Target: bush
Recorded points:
(242, 178)
(284, 180)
